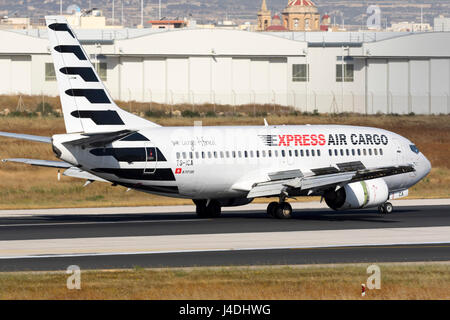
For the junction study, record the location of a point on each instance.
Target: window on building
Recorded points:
(300, 73)
(346, 69)
(50, 74)
(100, 67)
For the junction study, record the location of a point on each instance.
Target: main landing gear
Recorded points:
(280, 210)
(386, 208)
(207, 209)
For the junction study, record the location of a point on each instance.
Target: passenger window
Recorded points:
(313, 154)
(370, 152)
(381, 152)
(276, 153)
(257, 153)
(196, 155)
(335, 152)
(263, 153)
(215, 154)
(347, 152)
(203, 155)
(375, 151)
(209, 155)
(302, 153)
(307, 153)
(364, 152)
(234, 154)
(290, 153)
(353, 152)
(318, 153)
(221, 154)
(178, 155)
(330, 152)
(342, 152)
(184, 155)
(269, 153)
(239, 154)
(296, 153)
(283, 153)
(359, 152)
(246, 154)
(191, 156)
(251, 153)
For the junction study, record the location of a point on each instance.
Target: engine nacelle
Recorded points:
(357, 195)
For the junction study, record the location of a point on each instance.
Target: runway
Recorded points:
(51, 240)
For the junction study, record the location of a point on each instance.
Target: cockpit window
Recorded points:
(414, 148)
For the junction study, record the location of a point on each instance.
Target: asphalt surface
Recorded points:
(125, 225)
(117, 225)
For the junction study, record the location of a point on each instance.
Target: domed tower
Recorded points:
(264, 17)
(301, 15)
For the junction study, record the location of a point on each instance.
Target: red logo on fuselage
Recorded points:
(288, 140)
(177, 170)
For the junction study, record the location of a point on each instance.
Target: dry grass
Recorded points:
(398, 281)
(24, 186)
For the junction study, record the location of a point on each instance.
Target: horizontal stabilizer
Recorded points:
(40, 163)
(99, 139)
(26, 137)
(77, 173)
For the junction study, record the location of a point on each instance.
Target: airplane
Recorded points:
(349, 167)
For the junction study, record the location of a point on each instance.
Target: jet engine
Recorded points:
(357, 195)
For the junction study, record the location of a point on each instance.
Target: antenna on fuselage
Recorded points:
(265, 123)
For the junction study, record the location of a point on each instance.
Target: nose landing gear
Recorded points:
(386, 208)
(281, 210)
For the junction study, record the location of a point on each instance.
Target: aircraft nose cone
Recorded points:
(425, 166)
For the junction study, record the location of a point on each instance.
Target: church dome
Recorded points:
(301, 6)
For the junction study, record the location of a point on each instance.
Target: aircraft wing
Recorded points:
(99, 139)
(41, 163)
(293, 180)
(26, 137)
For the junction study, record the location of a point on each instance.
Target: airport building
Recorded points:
(364, 72)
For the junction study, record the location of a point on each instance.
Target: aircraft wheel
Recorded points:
(213, 209)
(388, 207)
(381, 209)
(283, 211)
(200, 208)
(271, 209)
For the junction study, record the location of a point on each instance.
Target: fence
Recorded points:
(323, 102)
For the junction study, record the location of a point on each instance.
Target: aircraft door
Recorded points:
(151, 160)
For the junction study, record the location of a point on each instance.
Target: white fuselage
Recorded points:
(224, 162)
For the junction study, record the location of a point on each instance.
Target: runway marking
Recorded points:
(426, 245)
(225, 242)
(73, 255)
(98, 222)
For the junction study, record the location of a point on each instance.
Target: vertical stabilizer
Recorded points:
(86, 103)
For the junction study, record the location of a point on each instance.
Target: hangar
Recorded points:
(364, 72)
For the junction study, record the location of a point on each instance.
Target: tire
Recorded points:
(213, 209)
(388, 208)
(284, 211)
(200, 208)
(381, 209)
(271, 209)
